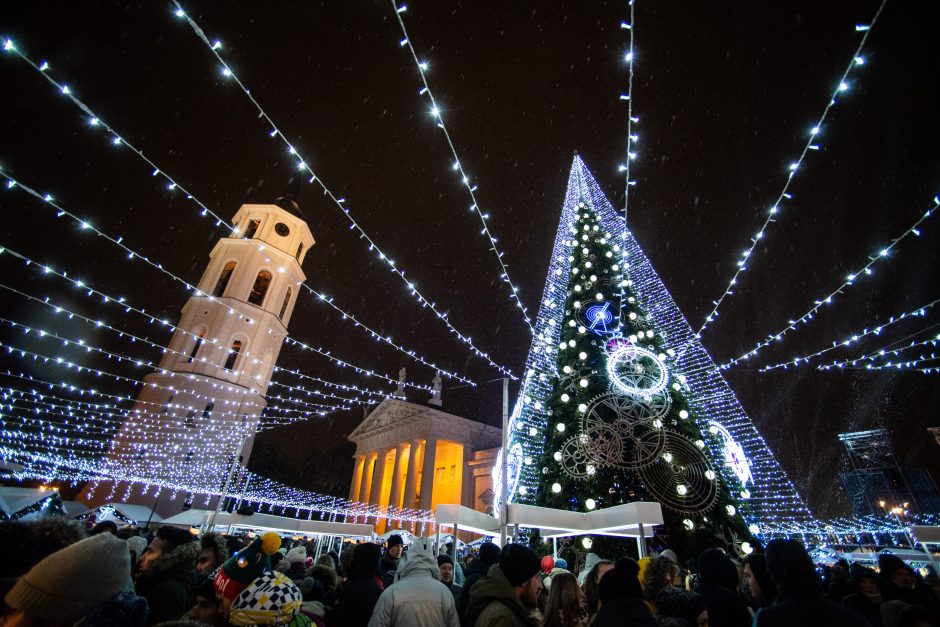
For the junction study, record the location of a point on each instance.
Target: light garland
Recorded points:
(457, 165)
(884, 252)
(172, 185)
(632, 138)
(881, 353)
(812, 144)
(772, 498)
(303, 166)
(804, 359)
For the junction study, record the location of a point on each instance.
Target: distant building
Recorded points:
(877, 484)
(413, 456)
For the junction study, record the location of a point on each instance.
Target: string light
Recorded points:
(802, 360)
(340, 204)
(172, 185)
(458, 167)
(632, 138)
(851, 279)
(880, 354)
(811, 144)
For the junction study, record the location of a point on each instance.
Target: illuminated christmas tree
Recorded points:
(621, 402)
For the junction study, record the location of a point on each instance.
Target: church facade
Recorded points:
(415, 456)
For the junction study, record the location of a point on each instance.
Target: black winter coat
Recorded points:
(357, 600)
(624, 611)
(809, 611)
(475, 571)
(170, 584)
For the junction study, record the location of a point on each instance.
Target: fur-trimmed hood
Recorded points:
(214, 542)
(183, 554)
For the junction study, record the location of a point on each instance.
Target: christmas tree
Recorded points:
(621, 403)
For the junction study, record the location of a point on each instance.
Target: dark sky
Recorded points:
(725, 91)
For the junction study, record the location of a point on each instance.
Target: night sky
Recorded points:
(726, 93)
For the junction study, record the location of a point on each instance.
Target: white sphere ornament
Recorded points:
(572, 343)
(572, 323)
(632, 339)
(682, 490)
(590, 504)
(583, 383)
(598, 296)
(710, 475)
(731, 510)
(700, 444)
(745, 494)
(590, 469)
(566, 369)
(527, 461)
(667, 457)
(565, 398)
(746, 548)
(561, 427)
(533, 432)
(754, 529)
(632, 315)
(523, 490)
(582, 329)
(608, 254)
(582, 355)
(688, 524)
(557, 456)
(683, 414)
(556, 488)
(587, 543)
(587, 264)
(582, 408)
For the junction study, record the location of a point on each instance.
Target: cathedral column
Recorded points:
(411, 478)
(394, 497)
(427, 472)
(378, 477)
(367, 470)
(355, 486)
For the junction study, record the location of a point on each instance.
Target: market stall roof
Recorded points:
(14, 499)
(74, 508)
(406, 535)
(621, 520)
(139, 514)
(925, 534)
(270, 522)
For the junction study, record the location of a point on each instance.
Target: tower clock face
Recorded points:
(282, 229)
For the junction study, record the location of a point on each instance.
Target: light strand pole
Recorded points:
(504, 470)
(210, 523)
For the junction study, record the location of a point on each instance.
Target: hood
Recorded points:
(495, 587)
(888, 563)
(216, 543)
(715, 568)
(589, 562)
(791, 569)
(419, 561)
(184, 554)
(857, 572)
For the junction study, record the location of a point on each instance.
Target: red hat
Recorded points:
(547, 564)
(226, 587)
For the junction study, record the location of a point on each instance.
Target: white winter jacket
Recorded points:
(417, 598)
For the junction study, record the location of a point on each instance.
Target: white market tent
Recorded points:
(118, 512)
(270, 522)
(630, 520)
(15, 499)
(74, 508)
(406, 535)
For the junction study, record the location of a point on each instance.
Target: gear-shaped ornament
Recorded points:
(681, 478)
(636, 371)
(622, 431)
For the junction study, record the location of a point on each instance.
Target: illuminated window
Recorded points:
(233, 355)
(252, 228)
(260, 288)
(223, 279)
(285, 304)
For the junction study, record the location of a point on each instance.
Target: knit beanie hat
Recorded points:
(70, 583)
(395, 540)
(621, 581)
(547, 564)
(137, 544)
(246, 565)
(444, 559)
(296, 554)
(271, 599)
(489, 553)
(518, 563)
(561, 563)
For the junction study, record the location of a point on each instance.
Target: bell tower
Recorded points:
(208, 393)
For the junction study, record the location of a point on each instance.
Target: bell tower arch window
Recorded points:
(196, 345)
(222, 283)
(252, 228)
(233, 355)
(300, 250)
(260, 288)
(285, 303)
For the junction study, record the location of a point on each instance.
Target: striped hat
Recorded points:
(271, 599)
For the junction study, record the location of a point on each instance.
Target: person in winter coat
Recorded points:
(362, 588)
(296, 559)
(867, 598)
(901, 583)
(448, 570)
(757, 583)
(509, 592)
(87, 583)
(393, 551)
(565, 605)
(212, 554)
(590, 579)
(167, 574)
(660, 575)
(680, 608)
(417, 598)
(621, 598)
(476, 570)
(800, 600)
(718, 585)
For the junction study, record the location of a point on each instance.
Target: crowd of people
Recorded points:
(56, 572)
